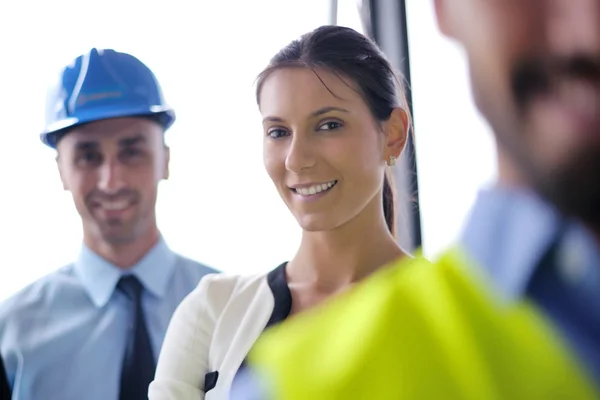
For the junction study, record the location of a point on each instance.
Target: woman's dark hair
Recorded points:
(349, 54)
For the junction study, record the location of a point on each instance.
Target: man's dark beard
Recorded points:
(536, 76)
(574, 188)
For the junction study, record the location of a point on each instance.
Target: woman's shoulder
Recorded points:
(225, 280)
(216, 290)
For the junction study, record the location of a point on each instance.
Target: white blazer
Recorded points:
(212, 331)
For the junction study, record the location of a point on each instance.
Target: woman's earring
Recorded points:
(392, 161)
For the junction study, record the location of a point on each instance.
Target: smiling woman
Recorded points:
(324, 133)
(334, 120)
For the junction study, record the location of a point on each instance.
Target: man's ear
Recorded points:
(442, 16)
(60, 172)
(396, 129)
(166, 162)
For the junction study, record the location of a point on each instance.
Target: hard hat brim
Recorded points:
(53, 133)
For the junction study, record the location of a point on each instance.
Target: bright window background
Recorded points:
(456, 154)
(219, 205)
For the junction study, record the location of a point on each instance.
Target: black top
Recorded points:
(278, 284)
(4, 387)
(277, 281)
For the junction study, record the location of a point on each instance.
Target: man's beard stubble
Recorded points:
(116, 231)
(573, 187)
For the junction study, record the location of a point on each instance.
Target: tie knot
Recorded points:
(131, 286)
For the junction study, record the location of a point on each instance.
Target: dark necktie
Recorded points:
(138, 362)
(4, 386)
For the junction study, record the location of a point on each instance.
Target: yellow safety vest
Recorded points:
(421, 331)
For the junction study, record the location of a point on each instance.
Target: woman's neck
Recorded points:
(330, 261)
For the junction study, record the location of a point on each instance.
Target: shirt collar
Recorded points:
(99, 277)
(507, 234)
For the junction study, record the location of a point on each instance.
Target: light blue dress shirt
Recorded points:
(529, 250)
(63, 337)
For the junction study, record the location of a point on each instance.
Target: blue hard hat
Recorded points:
(103, 84)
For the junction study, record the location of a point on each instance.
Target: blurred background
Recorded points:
(219, 206)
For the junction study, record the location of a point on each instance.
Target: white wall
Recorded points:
(455, 151)
(219, 205)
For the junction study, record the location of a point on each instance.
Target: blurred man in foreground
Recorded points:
(513, 310)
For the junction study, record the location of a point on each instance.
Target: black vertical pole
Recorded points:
(385, 21)
(333, 12)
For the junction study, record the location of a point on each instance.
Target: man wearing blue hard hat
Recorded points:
(94, 328)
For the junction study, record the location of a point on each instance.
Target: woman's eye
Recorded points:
(276, 133)
(329, 126)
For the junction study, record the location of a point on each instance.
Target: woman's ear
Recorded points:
(396, 129)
